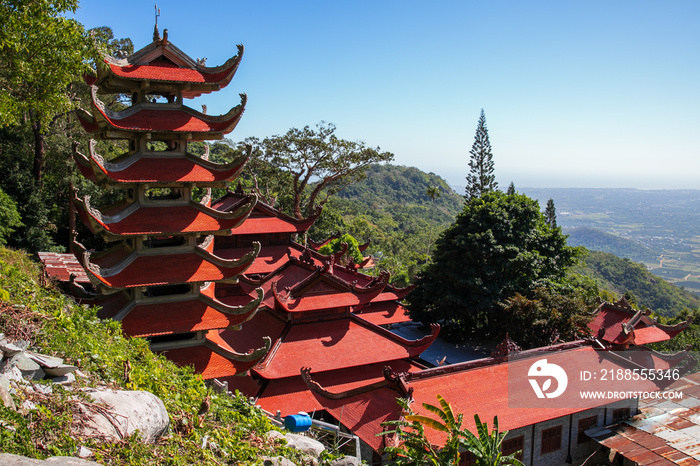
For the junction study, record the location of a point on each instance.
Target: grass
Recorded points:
(233, 430)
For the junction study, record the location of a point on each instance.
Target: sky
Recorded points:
(576, 94)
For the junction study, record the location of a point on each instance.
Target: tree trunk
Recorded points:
(39, 149)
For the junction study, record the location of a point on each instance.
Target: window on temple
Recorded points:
(467, 458)
(170, 241)
(585, 424)
(620, 414)
(513, 446)
(551, 439)
(166, 290)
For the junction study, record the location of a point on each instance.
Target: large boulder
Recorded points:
(305, 444)
(8, 459)
(115, 414)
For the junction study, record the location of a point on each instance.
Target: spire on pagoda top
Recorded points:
(162, 67)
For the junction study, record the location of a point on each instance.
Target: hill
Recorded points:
(594, 239)
(619, 276)
(392, 188)
(391, 209)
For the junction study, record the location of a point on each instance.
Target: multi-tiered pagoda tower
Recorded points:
(161, 273)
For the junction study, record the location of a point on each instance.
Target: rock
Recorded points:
(6, 399)
(276, 461)
(273, 435)
(67, 379)
(10, 349)
(305, 444)
(7, 459)
(84, 452)
(346, 461)
(30, 369)
(4, 381)
(53, 366)
(67, 461)
(119, 414)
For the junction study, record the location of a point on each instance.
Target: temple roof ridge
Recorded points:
(164, 118)
(140, 167)
(133, 218)
(123, 267)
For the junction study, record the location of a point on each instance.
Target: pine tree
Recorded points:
(550, 214)
(511, 189)
(481, 178)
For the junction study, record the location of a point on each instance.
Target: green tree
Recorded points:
(433, 193)
(511, 188)
(41, 53)
(481, 178)
(336, 245)
(9, 217)
(498, 246)
(414, 448)
(550, 214)
(320, 163)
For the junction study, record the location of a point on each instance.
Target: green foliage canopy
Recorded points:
(317, 161)
(498, 246)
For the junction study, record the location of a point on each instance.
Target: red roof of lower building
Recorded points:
(61, 266)
(618, 323)
(335, 344)
(384, 313)
(204, 360)
(291, 395)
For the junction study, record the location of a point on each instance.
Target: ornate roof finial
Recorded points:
(156, 33)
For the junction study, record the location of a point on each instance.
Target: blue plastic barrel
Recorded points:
(297, 422)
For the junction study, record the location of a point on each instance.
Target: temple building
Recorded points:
(160, 273)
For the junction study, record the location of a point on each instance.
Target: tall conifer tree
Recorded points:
(481, 178)
(550, 214)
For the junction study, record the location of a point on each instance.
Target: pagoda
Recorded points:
(160, 273)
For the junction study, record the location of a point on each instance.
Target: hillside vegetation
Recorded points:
(391, 209)
(598, 240)
(620, 276)
(232, 432)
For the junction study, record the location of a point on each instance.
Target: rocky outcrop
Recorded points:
(116, 414)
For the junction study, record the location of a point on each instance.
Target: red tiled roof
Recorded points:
(269, 259)
(329, 345)
(206, 361)
(158, 220)
(383, 313)
(160, 269)
(485, 390)
(611, 319)
(364, 414)
(159, 169)
(334, 300)
(61, 266)
(168, 71)
(179, 317)
(264, 219)
(291, 395)
(263, 324)
(166, 120)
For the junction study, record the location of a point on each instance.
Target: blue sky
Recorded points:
(576, 94)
